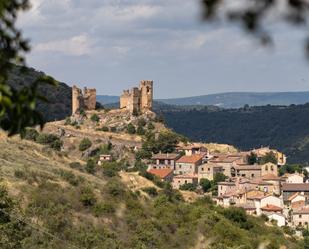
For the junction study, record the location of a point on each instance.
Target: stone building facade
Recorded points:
(138, 98)
(83, 100)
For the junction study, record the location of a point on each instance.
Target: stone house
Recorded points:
(193, 149)
(268, 203)
(289, 189)
(188, 164)
(163, 174)
(275, 181)
(226, 187)
(247, 171)
(208, 171)
(300, 217)
(293, 178)
(264, 186)
(104, 158)
(269, 168)
(164, 160)
(180, 180)
(227, 163)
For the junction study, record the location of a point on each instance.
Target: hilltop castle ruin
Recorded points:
(83, 100)
(138, 99)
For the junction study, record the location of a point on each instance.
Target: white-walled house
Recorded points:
(279, 218)
(293, 178)
(266, 204)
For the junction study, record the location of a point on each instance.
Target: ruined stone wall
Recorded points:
(146, 88)
(83, 101)
(140, 99)
(90, 98)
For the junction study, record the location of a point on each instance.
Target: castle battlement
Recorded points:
(83, 100)
(138, 98)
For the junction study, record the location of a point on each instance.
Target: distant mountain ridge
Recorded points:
(239, 99)
(230, 100)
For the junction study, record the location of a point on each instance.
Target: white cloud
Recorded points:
(76, 46)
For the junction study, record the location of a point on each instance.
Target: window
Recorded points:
(272, 168)
(252, 175)
(299, 223)
(299, 216)
(208, 169)
(186, 181)
(266, 167)
(202, 169)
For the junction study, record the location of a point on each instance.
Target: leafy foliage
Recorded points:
(252, 128)
(131, 129)
(85, 144)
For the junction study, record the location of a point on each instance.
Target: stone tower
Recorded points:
(90, 98)
(139, 99)
(77, 99)
(83, 101)
(146, 89)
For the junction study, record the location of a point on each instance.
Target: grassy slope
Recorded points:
(119, 217)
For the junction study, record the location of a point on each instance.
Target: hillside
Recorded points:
(239, 99)
(59, 98)
(283, 127)
(60, 205)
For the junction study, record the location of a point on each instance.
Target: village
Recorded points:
(249, 179)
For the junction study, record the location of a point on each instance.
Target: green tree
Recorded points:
(219, 177)
(252, 158)
(270, 157)
(90, 166)
(140, 131)
(95, 118)
(17, 107)
(131, 129)
(205, 184)
(85, 144)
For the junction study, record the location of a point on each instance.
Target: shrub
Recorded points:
(69, 177)
(111, 169)
(188, 187)
(31, 134)
(114, 188)
(90, 166)
(95, 118)
(68, 121)
(141, 122)
(20, 174)
(85, 144)
(105, 129)
(76, 165)
(140, 131)
(87, 196)
(56, 145)
(131, 129)
(151, 191)
(113, 129)
(52, 140)
(100, 209)
(151, 126)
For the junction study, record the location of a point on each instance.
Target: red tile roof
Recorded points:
(271, 177)
(271, 208)
(162, 173)
(190, 159)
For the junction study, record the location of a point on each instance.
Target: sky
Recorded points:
(111, 45)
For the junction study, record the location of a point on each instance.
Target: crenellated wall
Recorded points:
(83, 101)
(139, 99)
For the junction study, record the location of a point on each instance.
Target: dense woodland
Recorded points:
(283, 127)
